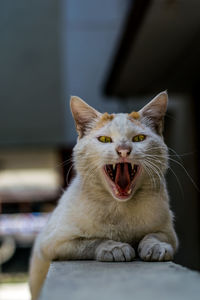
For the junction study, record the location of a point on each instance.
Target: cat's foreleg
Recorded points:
(114, 251)
(158, 246)
(101, 250)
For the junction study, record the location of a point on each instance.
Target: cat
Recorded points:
(117, 205)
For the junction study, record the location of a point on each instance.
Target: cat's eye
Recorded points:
(139, 138)
(105, 139)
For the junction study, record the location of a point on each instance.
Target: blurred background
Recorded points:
(115, 54)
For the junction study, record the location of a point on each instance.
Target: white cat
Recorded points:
(117, 205)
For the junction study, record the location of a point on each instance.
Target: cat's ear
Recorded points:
(84, 115)
(153, 113)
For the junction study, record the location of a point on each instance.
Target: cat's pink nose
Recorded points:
(123, 151)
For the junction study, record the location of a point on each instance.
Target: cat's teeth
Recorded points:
(129, 191)
(132, 166)
(114, 166)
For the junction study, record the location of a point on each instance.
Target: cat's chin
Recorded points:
(121, 180)
(122, 197)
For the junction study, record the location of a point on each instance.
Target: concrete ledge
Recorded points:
(91, 280)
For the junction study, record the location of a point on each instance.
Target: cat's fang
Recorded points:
(114, 167)
(132, 165)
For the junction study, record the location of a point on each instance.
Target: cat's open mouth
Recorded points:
(121, 177)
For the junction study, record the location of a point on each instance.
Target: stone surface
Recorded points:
(90, 280)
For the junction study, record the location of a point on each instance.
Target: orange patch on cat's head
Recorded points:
(105, 118)
(134, 115)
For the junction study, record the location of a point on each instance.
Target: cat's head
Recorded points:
(120, 152)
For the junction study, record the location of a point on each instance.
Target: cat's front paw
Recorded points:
(155, 251)
(114, 251)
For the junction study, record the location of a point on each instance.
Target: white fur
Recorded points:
(89, 223)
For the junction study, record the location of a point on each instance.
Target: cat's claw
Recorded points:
(114, 251)
(155, 251)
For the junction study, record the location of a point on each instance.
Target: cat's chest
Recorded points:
(123, 231)
(117, 225)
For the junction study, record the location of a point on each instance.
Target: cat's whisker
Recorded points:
(158, 164)
(89, 174)
(156, 170)
(68, 172)
(183, 154)
(181, 165)
(189, 176)
(176, 154)
(178, 181)
(157, 148)
(162, 162)
(172, 150)
(153, 172)
(156, 185)
(65, 162)
(149, 173)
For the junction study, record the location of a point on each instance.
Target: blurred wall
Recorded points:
(32, 109)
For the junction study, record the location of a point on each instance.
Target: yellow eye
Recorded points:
(105, 139)
(139, 138)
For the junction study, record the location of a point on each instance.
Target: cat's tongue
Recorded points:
(122, 178)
